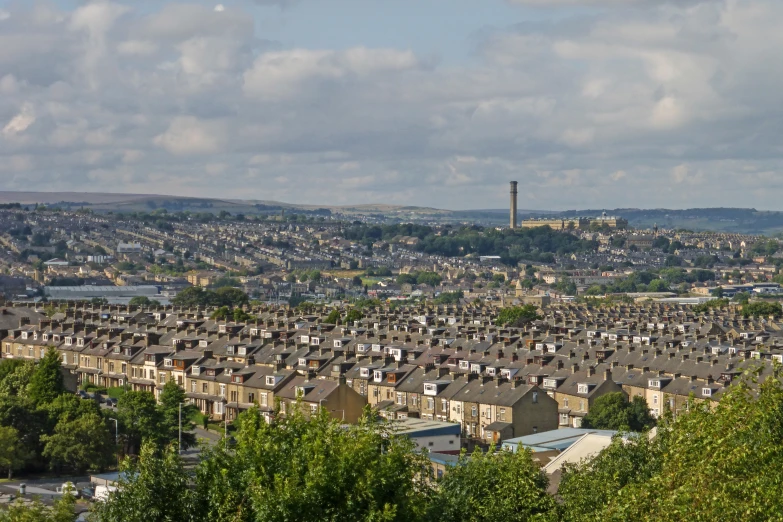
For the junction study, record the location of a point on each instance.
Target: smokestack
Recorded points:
(513, 222)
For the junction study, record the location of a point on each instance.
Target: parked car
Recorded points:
(83, 394)
(111, 402)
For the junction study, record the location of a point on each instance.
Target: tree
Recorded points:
(493, 486)
(613, 411)
(139, 420)
(517, 315)
(353, 315)
(170, 398)
(739, 439)
(15, 383)
(24, 510)
(143, 300)
(12, 452)
(79, 445)
(46, 382)
(300, 469)
(333, 317)
(762, 309)
(152, 489)
(231, 297)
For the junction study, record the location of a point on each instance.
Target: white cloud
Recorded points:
(189, 136)
(21, 122)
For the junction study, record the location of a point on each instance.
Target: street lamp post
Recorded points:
(116, 439)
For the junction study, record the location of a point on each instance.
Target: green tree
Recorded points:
(152, 489)
(143, 300)
(15, 383)
(428, 278)
(170, 398)
(12, 453)
(139, 420)
(493, 486)
(79, 445)
(613, 411)
(46, 382)
(739, 439)
(353, 315)
(762, 309)
(333, 317)
(24, 510)
(231, 297)
(517, 315)
(300, 469)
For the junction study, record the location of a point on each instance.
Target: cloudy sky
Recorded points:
(587, 103)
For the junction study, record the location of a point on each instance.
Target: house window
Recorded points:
(565, 402)
(251, 397)
(535, 397)
(444, 405)
(563, 419)
(473, 411)
(193, 386)
(655, 399)
(65, 358)
(582, 406)
(313, 408)
(263, 399)
(222, 390)
(162, 378)
(204, 388)
(430, 404)
(502, 414)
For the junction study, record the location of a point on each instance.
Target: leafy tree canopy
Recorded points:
(613, 411)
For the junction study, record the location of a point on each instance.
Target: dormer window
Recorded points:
(68, 341)
(196, 370)
(491, 371)
(338, 343)
(230, 349)
(168, 362)
(203, 343)
(56, 338)
(302, 361)
(707, 392)
(270, 380)
(583, 388)
(550, 383)
(24, 335)
(464, 365)
(242, 350)
(254, 331)
(45, 337)
(80, 342)
(654, 383)
(237, 379)
(378, 376)
(116, 349)
(229, 371)
(364, 372)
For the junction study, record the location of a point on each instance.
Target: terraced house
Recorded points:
(448, 363)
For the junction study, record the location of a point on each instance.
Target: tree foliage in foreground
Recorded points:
(493, 486)
(710, 464)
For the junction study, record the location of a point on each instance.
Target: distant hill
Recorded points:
(739, 220)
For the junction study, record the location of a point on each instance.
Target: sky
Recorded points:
(586, 103)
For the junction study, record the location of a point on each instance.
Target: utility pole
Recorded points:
(180, 428)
